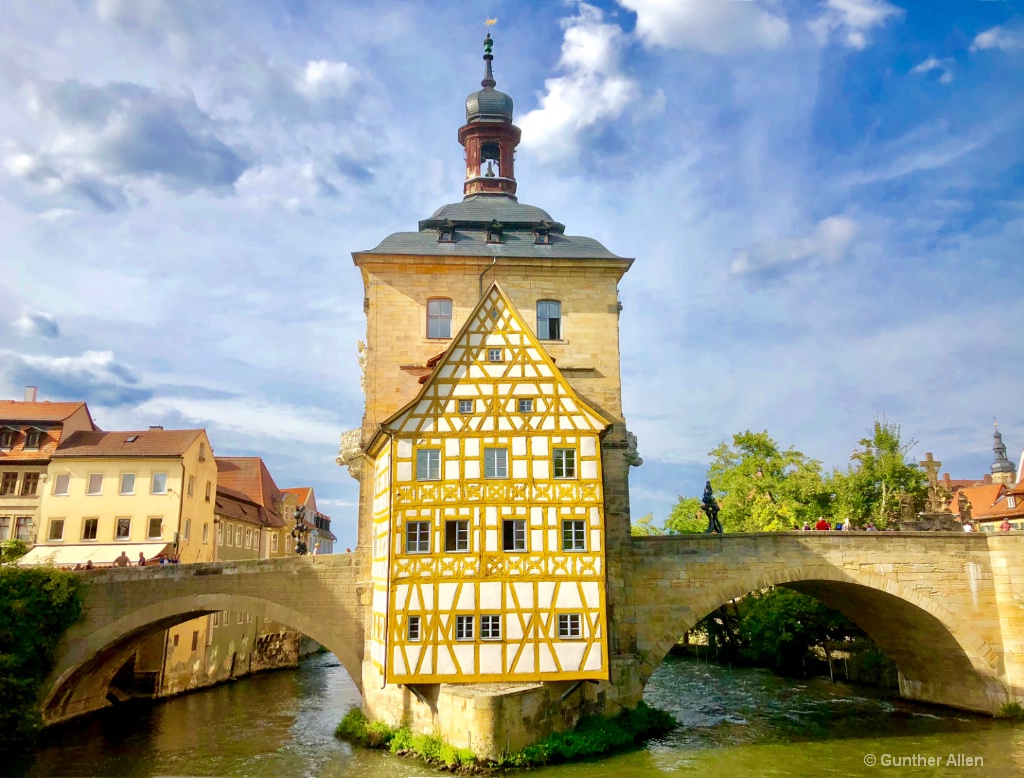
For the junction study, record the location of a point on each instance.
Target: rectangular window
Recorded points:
(206, 533)
(463, 627)
(248, 618)
(6, 437)
(5, 527)
(122, 528)
(248, 537)
(417, 537)
(565, 462)
(238, 536)
(495, 463)
(513, 533)
(549, 320)
(95, 484)
(526, 406)
(569, 625)
(456, 535)
(1011, 501)
(176, 641)
(574, 535)
(490, 627)
(188, 529)
(439, 318)
(428, 464)
(495, 355)
(32, 438)
(127, 483)
(56, 529)
(29, 484)
(195, 639)
(9, 484)
(465, 406)
(60, 484)
(238, 617)
(414, 628)
(89, 528)
(23, 528)
(156, 527)
(216, 619)
(191, 485)
(208, 487)
(220, 534)
(273, 542)
(202, 452)
(159, 484)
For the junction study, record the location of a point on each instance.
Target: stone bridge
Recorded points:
(316, 595)
(948, 608)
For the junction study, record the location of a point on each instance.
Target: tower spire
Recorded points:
(488, 80)
(1003, 470)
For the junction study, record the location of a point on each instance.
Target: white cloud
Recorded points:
(852, 20)
(592, 91)
(36, 324)
(998, 38)
(324, 78)
(94, 375)
(712, 26)
(942, 65)
(829, 242)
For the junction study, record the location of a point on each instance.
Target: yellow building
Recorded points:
(493, 454)
(30, 432)
(250, 524)
(146, 492)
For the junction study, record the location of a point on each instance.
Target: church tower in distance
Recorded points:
(493, 454)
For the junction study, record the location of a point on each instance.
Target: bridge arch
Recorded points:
(939, 656)
(124, 609)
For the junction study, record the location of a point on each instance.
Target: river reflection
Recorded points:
(735, 723)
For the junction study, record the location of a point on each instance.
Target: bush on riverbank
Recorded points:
(37, 606)
(593, 735)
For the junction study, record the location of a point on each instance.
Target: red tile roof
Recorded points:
(983, 499)
(250, 476)
(16, 410)
(129, 443)
(232, 504)
(301, 493)
(49, 418)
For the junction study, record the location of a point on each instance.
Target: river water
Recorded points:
(734, 723)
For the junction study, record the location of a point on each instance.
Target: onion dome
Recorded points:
(488, 105)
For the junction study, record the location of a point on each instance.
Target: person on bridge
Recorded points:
(870, 527)
(1005, 526)
(822, 524)
(122, 561)
(142, 559)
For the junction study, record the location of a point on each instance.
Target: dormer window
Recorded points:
(446, 232)
(494, 232)
(32, 437)
(6, 437)
(542, 234)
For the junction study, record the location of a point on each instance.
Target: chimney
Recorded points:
(945, 477)
(156, 426)
(31, 393)
(987, 479)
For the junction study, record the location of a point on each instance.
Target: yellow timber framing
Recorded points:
(530, 588)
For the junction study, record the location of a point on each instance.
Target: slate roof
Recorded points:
(470, 219)
(147, 443)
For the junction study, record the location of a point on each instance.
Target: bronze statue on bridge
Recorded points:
(710, 507)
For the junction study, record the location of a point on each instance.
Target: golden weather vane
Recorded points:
(489, 22)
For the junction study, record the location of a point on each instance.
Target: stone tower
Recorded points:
(493, 454)
(1003, 470)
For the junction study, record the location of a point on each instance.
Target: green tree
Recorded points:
(12, 550)
(686, 517)
(870, 488)
(763, 488)
(645, 526)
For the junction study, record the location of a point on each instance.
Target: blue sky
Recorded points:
(825, 200)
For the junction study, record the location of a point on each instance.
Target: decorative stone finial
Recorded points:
(488, 75)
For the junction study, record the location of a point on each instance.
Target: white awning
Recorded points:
(101, 555)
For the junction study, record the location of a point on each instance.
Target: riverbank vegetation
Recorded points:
(37, 605)
(592, 736)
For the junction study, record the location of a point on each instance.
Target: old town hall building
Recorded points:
(493, 453)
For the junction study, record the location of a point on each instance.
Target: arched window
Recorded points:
(549, 320)
(439, 318)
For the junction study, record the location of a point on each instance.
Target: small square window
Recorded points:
(495, 463)
(122, 529)
(564, 462)
(127, 483)
(159, 484)
(414, 628)
(490, 627)
(569, 626)
(417, 537)
(465, 406)
(526, 406)
(463, 627)
(428, 464)
(60, 484)
(456, 535)
(513, 533)
(56, 530)
(156, 527)
(89, 528)
(495, 355)
(95, 485)
(574, 535)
